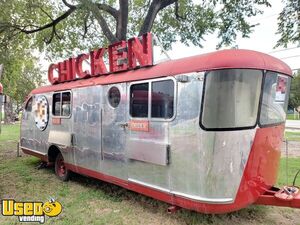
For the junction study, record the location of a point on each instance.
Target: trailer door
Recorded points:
(87, 127)
(151, 108)
(114, 130)
(27, 139)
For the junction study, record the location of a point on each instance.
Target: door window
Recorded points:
(114, 97)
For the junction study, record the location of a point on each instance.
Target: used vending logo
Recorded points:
(31, 211)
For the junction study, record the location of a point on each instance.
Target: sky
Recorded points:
(263, 39)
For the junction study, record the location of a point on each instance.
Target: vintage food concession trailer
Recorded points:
(202, 133)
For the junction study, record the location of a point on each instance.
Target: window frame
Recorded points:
(71, 104)
(149, 118)
(260, 106)
(107, 96)
(27, 102)
(263, 72)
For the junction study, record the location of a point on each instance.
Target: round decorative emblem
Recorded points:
(40, 109)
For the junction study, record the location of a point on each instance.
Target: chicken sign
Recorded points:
(123, 55)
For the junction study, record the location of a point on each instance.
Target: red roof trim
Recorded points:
(225, 59)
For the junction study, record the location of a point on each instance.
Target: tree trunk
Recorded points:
(8, 113)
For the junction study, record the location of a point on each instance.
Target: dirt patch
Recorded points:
(8, 150)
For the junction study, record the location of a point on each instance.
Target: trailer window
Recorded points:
(162, 99)
(139, 94)
(56, 104)
(28, 106)
(66, 104)
(62, 104)
(231, 99)
(114, 97)
(275, 99)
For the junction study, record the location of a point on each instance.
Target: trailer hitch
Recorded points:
(288, 196)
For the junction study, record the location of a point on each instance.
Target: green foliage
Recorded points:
(80, 31)
(20, 68)
(294, 100)
(289, 23)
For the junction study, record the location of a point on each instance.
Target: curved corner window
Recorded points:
(275, 99)
(28, 107)
(231, 99)
(114, 97)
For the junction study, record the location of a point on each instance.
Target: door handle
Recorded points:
(123, 125)
(73, 140)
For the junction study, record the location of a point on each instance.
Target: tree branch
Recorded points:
(86, 26)
(53, 23)
(68, 4)
(155, 7)
(92, 7)
(178, 17)
(112, 11)
(47, 14)
(122, 20)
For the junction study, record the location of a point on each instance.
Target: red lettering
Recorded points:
(72, 72)
(118, 57)
(51, 78)
(122, 56)
(141, 52)
(79, 61)
(63, 71)
(97, 63)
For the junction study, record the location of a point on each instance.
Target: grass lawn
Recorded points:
(9, 132)
(89, 201)
(292, 136)
(291, 117)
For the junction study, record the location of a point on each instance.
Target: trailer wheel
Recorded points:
(60, 169)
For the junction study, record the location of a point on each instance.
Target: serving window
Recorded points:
(162, 99)
(153, 99)
(61, 105)
(139, 100)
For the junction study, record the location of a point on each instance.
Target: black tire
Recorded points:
(60, 170)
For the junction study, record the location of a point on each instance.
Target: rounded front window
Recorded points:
(231, 99)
